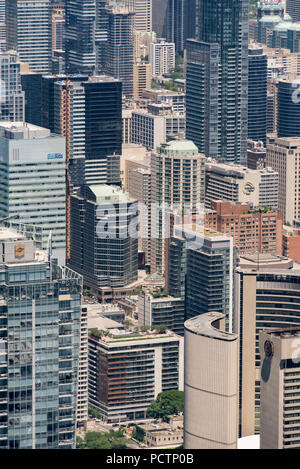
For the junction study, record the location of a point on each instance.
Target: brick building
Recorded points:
(253, 230)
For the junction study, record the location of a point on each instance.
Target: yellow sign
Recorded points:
(19, 250)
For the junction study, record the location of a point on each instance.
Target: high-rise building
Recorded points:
(201, 268)
(143, 14)
(252, 229)
(58, 27)
(103, 249)
(2, 21)
(283, 156)
(120, 47)
(29, 31)
(39, 346)
(293, 9)
(101, 32)
(280, 388)
(103, 130)
(176, 23)
(216, 79)
(257, 94)
(152, 363)
(80, 36)
(267, 296)
(162, 57)
(235, 183)
(12, 102)
(141, 78)
(210, 384)
(155, 126)
(159, 17)
(288, 117)
(33, 180)
(177, 183)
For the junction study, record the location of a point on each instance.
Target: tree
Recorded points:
(110, 440)
(94, 412)
(167, 403)
(138, 433)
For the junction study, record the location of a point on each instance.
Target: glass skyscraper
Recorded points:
(216, 74)
(80, 36)
(40, 310)
(29, 31)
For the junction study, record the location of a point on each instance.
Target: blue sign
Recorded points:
(54, 156)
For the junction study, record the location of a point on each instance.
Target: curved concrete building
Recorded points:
(210, 384)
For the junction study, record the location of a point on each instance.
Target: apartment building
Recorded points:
(128, 369)
(252, 229)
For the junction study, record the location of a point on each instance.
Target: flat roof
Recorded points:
(203, 325)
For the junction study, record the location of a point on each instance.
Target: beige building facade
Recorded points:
(267, 296)
(280, 389)
(283, 155)
(210, 384)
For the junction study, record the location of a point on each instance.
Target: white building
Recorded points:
(32, 180)
(162, 57)
(236, 183)
(283, 154)
(153, 129)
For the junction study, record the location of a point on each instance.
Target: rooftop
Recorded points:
(109, 194)
(179, 147)
(203, 325)
(22, 131)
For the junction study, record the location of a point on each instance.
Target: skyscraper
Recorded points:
(33, 180)
(216, 75)
(210, 384)
(293, 9)
(257, 94)
(280, 388)
(177, 183)
(103, 249)
(267, 296)
(101, 34)
(39, 346)
(103, 129)
(120, 47)
(28, 31)
(143, 14)
(80, 36)
(12, 103)
(176, 23)
(202, 270)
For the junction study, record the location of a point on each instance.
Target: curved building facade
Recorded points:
(288, 119)
(268, 296)
(210, 384)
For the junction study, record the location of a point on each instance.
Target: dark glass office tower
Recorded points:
(293, 9)
(257, 94)
(175, 31)
(80, 36)
(180, 22)
(216, 75)
(288, 108)
(102, 247)
(103, 129)
(120, 47)
(101, 32)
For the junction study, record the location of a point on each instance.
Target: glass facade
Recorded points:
(40, 306)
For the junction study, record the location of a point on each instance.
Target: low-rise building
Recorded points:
(155, 309)
(164, 435)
